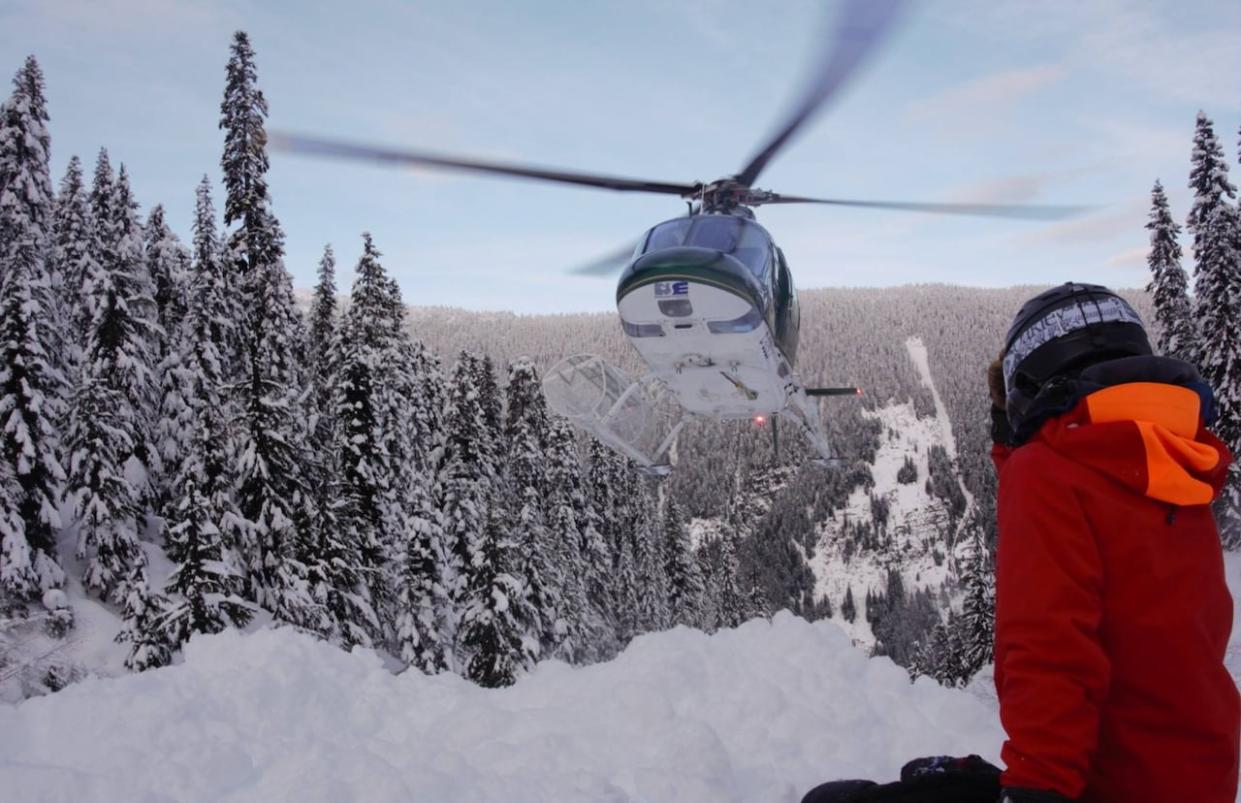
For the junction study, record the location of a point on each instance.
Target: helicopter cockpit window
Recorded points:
(725, 233)
(668, 235)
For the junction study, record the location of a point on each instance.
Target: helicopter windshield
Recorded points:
(726, 233)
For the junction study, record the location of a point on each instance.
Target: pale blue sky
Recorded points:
(1053, 101)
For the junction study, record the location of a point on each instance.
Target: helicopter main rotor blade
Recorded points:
(606, 264)
(1014, 211)
(316, 146)
(860, 27)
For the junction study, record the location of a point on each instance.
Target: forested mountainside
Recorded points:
(895, 511)
(853, 336)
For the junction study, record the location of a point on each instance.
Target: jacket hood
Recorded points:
(1149, 436)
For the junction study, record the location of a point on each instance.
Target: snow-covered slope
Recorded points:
(762, 712)
(918, 524)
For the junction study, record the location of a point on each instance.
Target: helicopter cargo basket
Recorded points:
(633, 417)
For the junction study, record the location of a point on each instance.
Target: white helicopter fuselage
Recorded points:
(720, 374)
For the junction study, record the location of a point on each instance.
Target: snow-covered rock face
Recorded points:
(918, 528)
(762, 712)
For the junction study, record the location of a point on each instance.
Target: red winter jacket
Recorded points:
(1112, 614)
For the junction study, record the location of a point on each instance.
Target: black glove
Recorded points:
(956, 766)
(1032, 796)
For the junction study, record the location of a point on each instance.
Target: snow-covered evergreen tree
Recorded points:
(27, 198)
(18, 579)
(466, 480)
(848, 608)
(271, 430)
(978, 616)
(31, 386)
(541, 567)
(30, 407)
(206, 530)
(168, 263)
(425, 614)
(323, 313)
(1215, 226)
(109, 416)
(143, 617)
(142, 389)
(496, 623)
(424, 610)
(71, 257)
(685, 586)
(597, 540)
(368, 360)
(732, 607)
(1169, 286)
(565, 515)
(650, 572)
(625, 584)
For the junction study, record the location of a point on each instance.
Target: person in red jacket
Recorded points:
(1112, 613)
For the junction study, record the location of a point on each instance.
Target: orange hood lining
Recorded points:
(1168, 419)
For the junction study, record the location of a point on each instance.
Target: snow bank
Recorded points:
(762, 712)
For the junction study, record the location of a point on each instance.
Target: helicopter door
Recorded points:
(788, 314)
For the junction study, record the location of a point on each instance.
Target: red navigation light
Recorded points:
(859, 391)
(760, 420)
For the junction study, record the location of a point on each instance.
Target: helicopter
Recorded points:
(707, 298)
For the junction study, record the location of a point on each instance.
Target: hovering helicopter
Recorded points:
(706, 299)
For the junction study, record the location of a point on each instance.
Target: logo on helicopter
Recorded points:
(667, 289)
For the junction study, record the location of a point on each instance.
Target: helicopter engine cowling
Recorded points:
(700, 319)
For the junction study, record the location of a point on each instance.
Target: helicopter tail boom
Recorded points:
(833, 391)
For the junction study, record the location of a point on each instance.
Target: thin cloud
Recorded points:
(1095, 228)
(1005, 190)
(1130, 258)
(980, 105)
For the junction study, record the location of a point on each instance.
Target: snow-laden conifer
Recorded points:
(271, 432)
(1169, 286)
(685, 585)
(369, 359)
(210, 264)
(848, 608)
(71, 255)
(205, 528)
(31, 386)
(425, 612)
(541, 566)
(649, 573)
(495, 625)
(1215, 224)
(570, 533)
(978, 615)
(597, 559)
(466, 480)
(732, 607)
(143, 616)
(169, 265)
(18, 579)
(26, 196)
(30, 408)
(108, 438)
(323, 312)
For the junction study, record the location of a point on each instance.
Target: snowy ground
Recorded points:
(760, 713)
